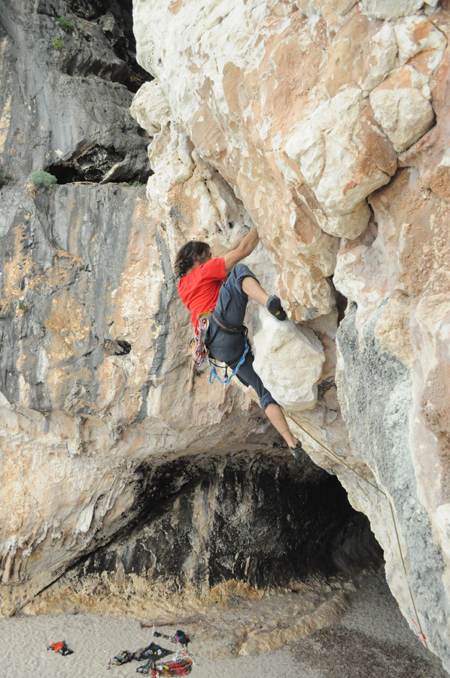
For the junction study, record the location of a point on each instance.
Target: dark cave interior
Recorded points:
(270, 520)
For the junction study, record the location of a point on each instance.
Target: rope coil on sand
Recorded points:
(416, 622)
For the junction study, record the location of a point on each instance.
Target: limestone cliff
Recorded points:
(328, 120)
(94, 442)
(322, 122)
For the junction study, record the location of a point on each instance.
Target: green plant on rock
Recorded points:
(44, 179)
(137, 183)
(64, 24)
(57, 43)
(23, 306)
(6, 176)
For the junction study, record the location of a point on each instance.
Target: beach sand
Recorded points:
(370, 640)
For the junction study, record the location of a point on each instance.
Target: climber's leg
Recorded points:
(232, 302)
(253, 289)
(256, 292)
(228, 348)
(247, 376)
(278, 420)
(234, 293)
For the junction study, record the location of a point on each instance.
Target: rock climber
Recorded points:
(221, 286)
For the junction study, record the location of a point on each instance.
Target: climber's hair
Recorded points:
(189, 254)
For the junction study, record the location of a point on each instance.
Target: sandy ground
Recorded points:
(372, 640)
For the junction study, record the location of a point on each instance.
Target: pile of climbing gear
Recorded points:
(180, 666)
(152, 652)
(60, 648)
(198, 343)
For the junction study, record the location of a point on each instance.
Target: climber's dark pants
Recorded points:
(229, 348)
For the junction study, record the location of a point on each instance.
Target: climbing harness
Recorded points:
(200, 350)
(213, 374)
(417, 623)
(227, 329)
(198, 343)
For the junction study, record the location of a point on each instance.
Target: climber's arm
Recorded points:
(238, 239)
(244, 249)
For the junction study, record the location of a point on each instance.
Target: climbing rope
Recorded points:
(416, 621)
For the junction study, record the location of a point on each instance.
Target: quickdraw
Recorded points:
(197, 344)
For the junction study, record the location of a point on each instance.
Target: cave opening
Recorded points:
(269, 520)
(98, 164)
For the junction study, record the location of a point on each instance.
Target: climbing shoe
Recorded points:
(298, 450)
(274, 307)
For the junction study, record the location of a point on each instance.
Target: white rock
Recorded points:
(306, 147)
(150, 107)
(389, 9)
(442, 519)
(446, 158)
(4, 402)
(329, 155)
(417, 35)
(85, 518)
(343, 7)
(311, 8)
(171, 161)
(404, 114)
(382, 56)
(360, 274)
(349, 225)
(289, 360)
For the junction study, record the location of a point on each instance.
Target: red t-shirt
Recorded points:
(199, 289)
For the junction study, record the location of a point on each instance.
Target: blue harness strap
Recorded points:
(213, 374)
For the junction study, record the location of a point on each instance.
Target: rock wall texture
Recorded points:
(325, 124)
(322, 122)
(95, 442)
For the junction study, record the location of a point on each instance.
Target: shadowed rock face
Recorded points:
(262, 518)
(116, 21)
(65, 96)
